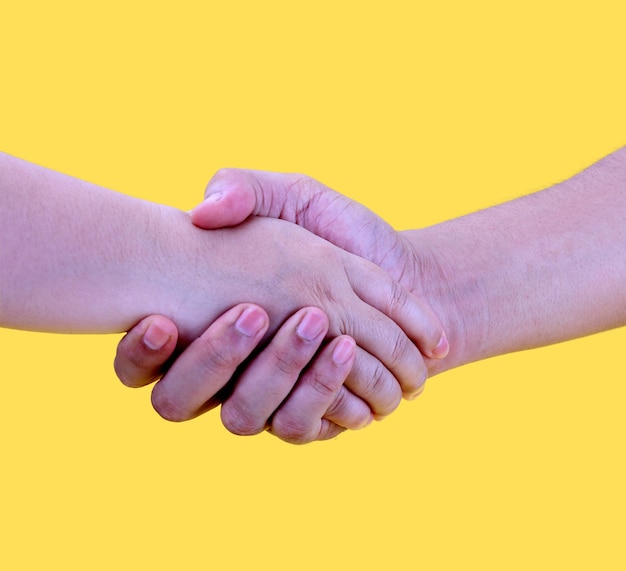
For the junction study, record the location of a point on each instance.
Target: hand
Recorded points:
(195, 382)
(359, 298)
(233, 195)
(208, 372)
(379, 389)
(413, 258)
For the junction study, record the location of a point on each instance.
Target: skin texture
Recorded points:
(80, 258)
(324, 408)
(538, 270)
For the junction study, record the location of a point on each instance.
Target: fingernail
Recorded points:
(311, 326)
(416, 393)
(155, 337)
(344, 351)
(216, 196)
(213, 197)
(250, 322)
(442, 348)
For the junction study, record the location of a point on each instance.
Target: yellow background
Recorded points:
(421, 110)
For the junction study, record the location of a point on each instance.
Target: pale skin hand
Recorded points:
(323, 274)
(194, 384)
(78, 258)
(541, 269)
(211, 360)
(293, 197)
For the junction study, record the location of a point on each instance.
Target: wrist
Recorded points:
(455, 290)
(153, 275)
(183, 276)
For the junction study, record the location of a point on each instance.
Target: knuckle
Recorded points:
(345, 415)
(397, 299)
(291, 429)
(299, 182)
(305, 191)
(325, 387)
(379, 376)
(216, 357)
(286, 364)
(400, 350)
(239, 422)
(383, 393)
(405, 363)
(329, 430)
(343, 322)
(168, 408)
(338, 407)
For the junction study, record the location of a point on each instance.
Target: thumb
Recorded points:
(228, 201)
(234, 194)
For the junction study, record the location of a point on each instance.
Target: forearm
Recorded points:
(79, 258)
(538, 270)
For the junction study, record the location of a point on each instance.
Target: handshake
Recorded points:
(296, 309)
(344, 360)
